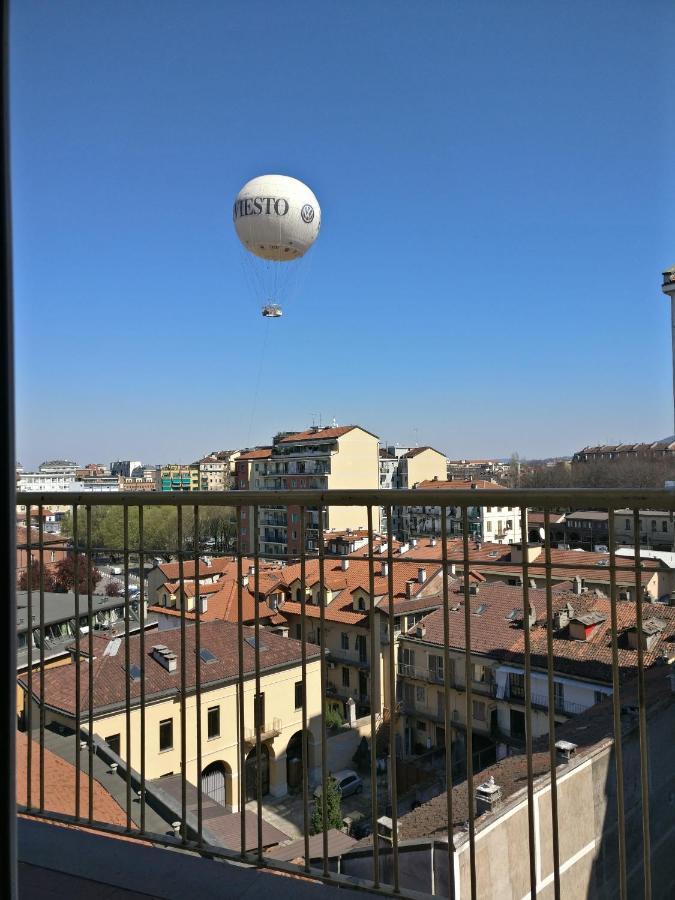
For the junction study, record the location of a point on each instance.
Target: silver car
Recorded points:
(348, 783)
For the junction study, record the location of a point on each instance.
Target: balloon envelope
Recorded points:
(277, 217)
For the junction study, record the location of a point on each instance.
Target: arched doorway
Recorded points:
(294, 762)
(216, 782)
(251, 773)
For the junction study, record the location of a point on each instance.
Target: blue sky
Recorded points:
(496, 181)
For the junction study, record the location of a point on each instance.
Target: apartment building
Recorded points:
(500, 524)
(178, 477)
(216, 470)
(657, 450)
(581, 654)
(320, 458)
(413, 465)
(278, 707)
(473, 469)
(656, 529)
(127, 468)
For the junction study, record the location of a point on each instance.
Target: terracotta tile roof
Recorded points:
(259, 453)
(417, 450)
(60, 785)
(478, 484)
(22, 537)
(494, 634)
(322, 434)
(172, 587)
(218, 637)
(592, 658)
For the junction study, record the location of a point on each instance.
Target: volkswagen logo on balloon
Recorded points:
(307, 213)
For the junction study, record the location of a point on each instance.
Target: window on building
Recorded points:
(664, 525)
(345, 677)
(653, 524)
(421, 726)
(298, 695)
(166, 734)
(488, 525)
(344, 641)
(294, 535)
(478, 711)
(627, 524)
(598, 697)
(436, 667)
(113, 741)
(298, 632)
(213, 722)
(421, 694)
(559, 694)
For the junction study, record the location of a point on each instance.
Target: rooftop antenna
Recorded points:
(333, 424)
(416, 433)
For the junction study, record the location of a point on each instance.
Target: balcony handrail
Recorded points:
(613, 498)
(313, 729)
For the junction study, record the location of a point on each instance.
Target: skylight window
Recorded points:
(206, 656)
(481, 609)
(514, 614)
(252, 643)
(135, 673)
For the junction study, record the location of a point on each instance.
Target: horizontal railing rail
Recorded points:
(271, 733)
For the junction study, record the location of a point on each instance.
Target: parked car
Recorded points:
(348, 783)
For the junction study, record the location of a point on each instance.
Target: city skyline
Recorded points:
(495, 222)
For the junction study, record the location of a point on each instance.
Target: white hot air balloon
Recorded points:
(277, 219)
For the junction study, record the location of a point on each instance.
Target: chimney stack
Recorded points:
(409, 588)
(565, 751)
(344, 564)
(203, 603)
(165, 657)
(384, 568)
(488, 796)
(251, 570)
(421, 575)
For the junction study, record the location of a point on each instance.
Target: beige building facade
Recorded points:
(278, 708)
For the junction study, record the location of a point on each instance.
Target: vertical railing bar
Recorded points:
(258, 710)
(198, 676)
(183, 717)
(324, 686)
(642, 703)
(469, 702)
(29, 639)
(303, 634)
(392, 702)
(127, 679)
(528, 703)
(41, 555)
(141, 652)
(551, 705)
(241, 783)
(616, 711)
(78, 688)
(90, 670)
(446, 700)
(374, 694)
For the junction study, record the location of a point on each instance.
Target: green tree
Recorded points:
(333, 808)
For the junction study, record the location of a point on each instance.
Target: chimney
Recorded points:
(203, 603)
(565, 751)
(453, 569)
(421, 575)
(488, 796)
(413, 542)
(403, 549)
(384, 568)
(207, 561)
(344, 564)
(409, 588)
(251, 570)
(165, 657)
(244, 580)
(432, 542)
(578, 585)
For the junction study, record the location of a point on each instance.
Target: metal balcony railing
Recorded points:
(260, 749)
